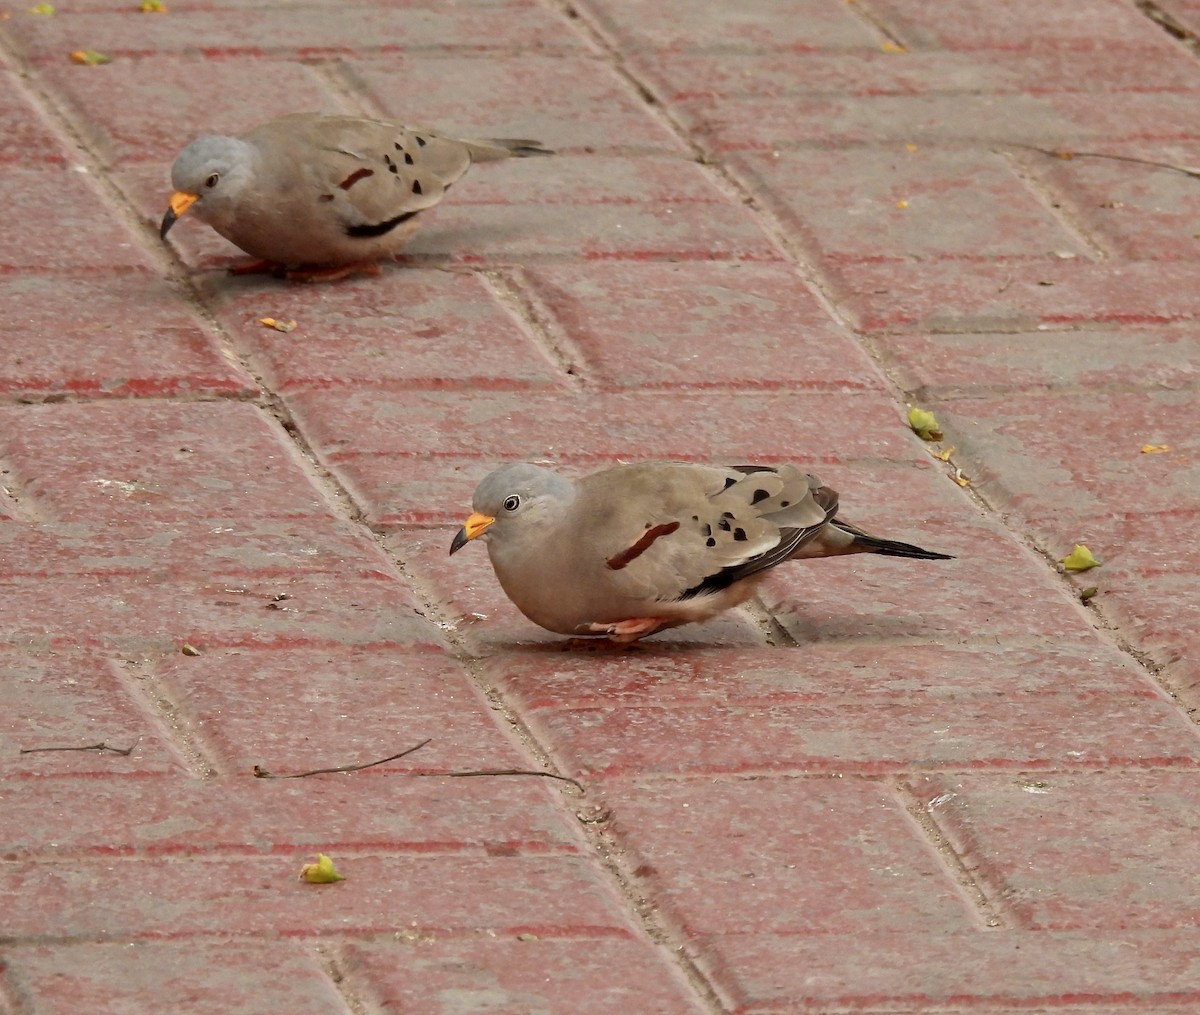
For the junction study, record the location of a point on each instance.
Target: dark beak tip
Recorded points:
(168, 220)
(460, 540)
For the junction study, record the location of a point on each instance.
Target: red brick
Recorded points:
(356, 430)
(685, 77)
(848, 203)
(56, 219)
(590, 976)
(159, 461)
(783, 856)
(821, 673)
(956, 365)
(567, 103)
(26, 136)
(652, 325)
(1071, 851)
(1020, 25)
(756, 25)
(262, 897)
(147, 110)
(408, 327)
(70, 699)
(92, 816)
(101, 349)
(1113, 972)
(257, 32)
(1064, 460)
(335, 706)
(152, 613)
(243, 977)
(1138, 212)
(870, 596)
(1018, 294)
(1047, 733)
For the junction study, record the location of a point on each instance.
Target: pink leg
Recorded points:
(625, 631)
(370, 268)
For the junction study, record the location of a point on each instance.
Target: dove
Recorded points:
(329, 194)
(637, 548)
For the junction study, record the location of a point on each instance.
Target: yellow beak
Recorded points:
(179, 204)
(476, 525)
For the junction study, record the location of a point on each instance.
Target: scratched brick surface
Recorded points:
(881, 785)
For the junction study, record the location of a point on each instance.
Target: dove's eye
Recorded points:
(512, 502)
(212, 179)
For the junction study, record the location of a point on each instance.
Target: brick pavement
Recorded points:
(885, 787)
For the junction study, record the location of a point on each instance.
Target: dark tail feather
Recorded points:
(864, 542)
(489, 149)
(895, 548)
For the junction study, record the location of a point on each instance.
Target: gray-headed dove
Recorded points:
(331, 193)
(633, 549)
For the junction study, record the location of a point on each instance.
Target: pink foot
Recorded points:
(623, 632)
(370, 268)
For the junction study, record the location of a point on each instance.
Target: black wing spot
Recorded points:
(392, 167)
(723, 525)
(759, 495)
(710, 542)
(739, 535)
(379, 228)
(784, 503)
(408, 159)
(729, 481)
(420, 140)
(416, 187)
(399, 147)
(707, 530)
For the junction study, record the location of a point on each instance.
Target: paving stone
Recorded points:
(56, 218)
(1116, 972)
(190, 978)
(100, 350)
(382, 894)
(1070, 851)
(649, 325)
(689, 77)
(258, 32)
(929, 203)
(88, 816)
(1063, 461)
(1025, 24)
(333, 707)
(74, 699)
(755, 25)
(154, 461)
(408, 327)
(1022, 294)
(955, 365)
(26, 135)
(566, 103)
(148, 109)
(782, 856)
(555, 977)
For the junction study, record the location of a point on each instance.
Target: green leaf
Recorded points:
(1079, 559)
(924, 424)
(320, 873)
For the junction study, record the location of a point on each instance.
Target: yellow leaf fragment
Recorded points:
(90, 58)
(152, 7)
(1079, 559)
(893, 47)
(901, 204)
(1065, 156)
(271, 322)
(910, 148)
(924, 424)
(189, 650)
(960, 479)
(943, 456)
(45, 9)
(320, 873)
(1155, 449)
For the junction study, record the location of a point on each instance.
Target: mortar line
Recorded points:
(330, 957)
(990, 910)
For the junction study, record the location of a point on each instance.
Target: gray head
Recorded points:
(512, 497)
(210, 173)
